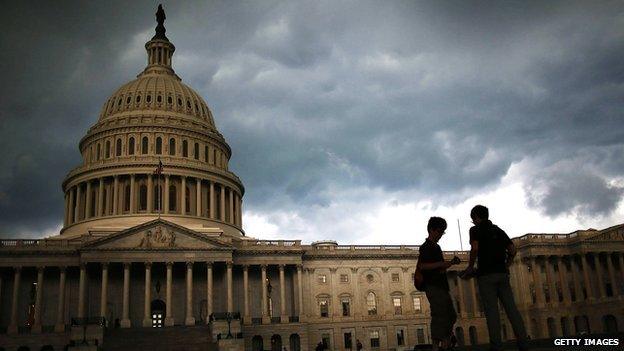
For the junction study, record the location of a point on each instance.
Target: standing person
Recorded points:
(433, 266)
(494, 252)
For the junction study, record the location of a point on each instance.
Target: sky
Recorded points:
(353, 121)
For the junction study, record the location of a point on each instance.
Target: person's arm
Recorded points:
(474, 249)
(434, 265)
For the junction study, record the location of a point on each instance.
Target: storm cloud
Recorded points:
(336, 110)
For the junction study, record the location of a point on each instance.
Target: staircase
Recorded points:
(177, 338)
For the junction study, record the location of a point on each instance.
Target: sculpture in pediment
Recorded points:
(158, 238)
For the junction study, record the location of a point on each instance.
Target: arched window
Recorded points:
(157, 197)
(172, 148)
(144, 145)
(214, 156)
(185, 148)
(196, 153)
(131, 146)
(108, 145)
(472, 333)
(143, 197)
(118, 148)
(187, 200)
(371, 303)
(206, 154)
(172, 198)
(127, 198)
(158, 146)
(97, 152)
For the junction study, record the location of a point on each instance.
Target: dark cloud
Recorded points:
(438, 98)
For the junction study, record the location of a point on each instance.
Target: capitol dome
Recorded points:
(154, 119)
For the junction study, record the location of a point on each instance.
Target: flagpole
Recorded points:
(461, 245)
(159, 189)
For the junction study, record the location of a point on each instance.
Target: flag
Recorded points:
(159, 169)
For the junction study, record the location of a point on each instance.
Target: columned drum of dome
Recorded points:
(153, 118)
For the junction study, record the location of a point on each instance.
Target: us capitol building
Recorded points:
(160, 261)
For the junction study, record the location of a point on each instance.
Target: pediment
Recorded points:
(615, 233)
(158, 235)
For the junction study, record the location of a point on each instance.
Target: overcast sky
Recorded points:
(353, 121)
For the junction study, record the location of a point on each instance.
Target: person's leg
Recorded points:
(507, 300)
(433, 297)
(488, 291)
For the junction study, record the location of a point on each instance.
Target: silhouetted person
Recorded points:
(320, 346)
(358, 345)
(433, 266)
(494, 252)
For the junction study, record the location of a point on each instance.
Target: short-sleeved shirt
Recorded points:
(493, 243)
(431, 252)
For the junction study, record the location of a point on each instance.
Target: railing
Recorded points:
(223, 316)
(256, 320)
(275, 319)
(367, 247)
(88, 321)
(288, 243)
(293, 319)
(32, 242)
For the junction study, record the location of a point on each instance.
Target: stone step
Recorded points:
(177, 338)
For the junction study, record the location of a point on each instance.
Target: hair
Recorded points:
(479, 211)
(436, 223)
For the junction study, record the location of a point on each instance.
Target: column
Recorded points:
(36, 328)
(60, 312)
(166, 195)
(578, 292)
(246, 316)
(230, 301)
(232, 206)
(551, 282)
(209, 289)
(189, 294)
(78, 203)
(198, 197)
(183, 196)
(300, 292)
(100, 204)
(283, 315)
(70, 211)
(563, 281)
(588, 285)
(104, 293)
(475, 303)
(460, 292)
(125, 321)
(16, 283)
(82, 289)
(88, 201)
(147, 302)
(222, 217)
(115, 194)
(168, 293)
(614, 287)
(132, 194)
(601, 286)
(150, 193)
(537, 281)
(66, 213)
(211, 198)
(265, 315)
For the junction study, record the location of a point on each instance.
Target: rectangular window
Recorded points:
(374, 339)
(396, 302)
(323, 304)
(344, 278)
(395, 277)
(346, 308)
(400, 337)
(322, 278)
(420, 335)
(325, 338)
(348, 341)
(417, 307)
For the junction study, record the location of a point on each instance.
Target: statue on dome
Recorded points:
(160, 19)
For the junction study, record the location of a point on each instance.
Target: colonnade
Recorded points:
(147, 193)
(147, 320)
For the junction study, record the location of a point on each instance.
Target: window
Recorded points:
(326, 340)
(108, 146)
(127, 198)
(187, 200)
(97, 153)
(322, 278)
(118, 148)
(417, 305)
(346, 306)
(196, 151)
(420, 335)
(179, 102)
(138, 98)
(374, 338)
(395, 277)
(172, 198)
(206, 154)
(159, 146)
(324, 308)
(400, 337)
(169, 100)
(159, 99)
(172, 147)
(144, 144)
(143, 197)
(344, 278)
(396, 302)
(370, 278)
(371, 303)
(348, 340)
(131, 146)
(185, 148)
(148, 99)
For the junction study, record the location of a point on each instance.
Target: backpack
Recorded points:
(419, 279)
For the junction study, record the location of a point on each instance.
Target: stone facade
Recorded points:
(144, 249)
